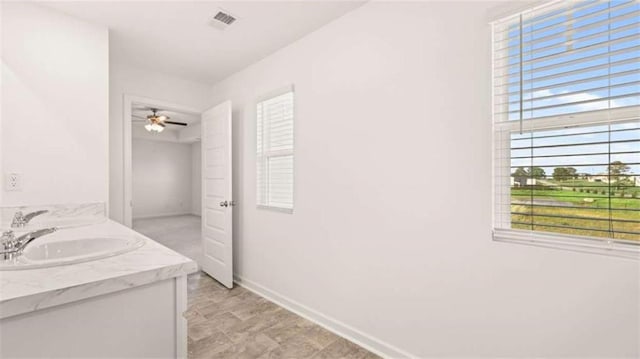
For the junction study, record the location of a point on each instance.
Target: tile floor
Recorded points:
(239, 324)
(180, 233)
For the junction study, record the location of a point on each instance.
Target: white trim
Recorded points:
(182, 350)
(610, 247)
(275, 209)
(127, 171)
(493, 130)
(333, 325)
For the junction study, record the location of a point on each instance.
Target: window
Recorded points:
(566, 113)
(274, 143)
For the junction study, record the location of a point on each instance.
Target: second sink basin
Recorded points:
(54, 253)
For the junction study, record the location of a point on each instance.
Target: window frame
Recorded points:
(501, 168)
(262, 157)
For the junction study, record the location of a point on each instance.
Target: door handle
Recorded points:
(224, 204)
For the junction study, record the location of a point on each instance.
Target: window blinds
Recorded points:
(567, 58)
(566, 104)
(579, 181)
(274, 143)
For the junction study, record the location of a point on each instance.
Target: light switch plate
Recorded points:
(12, 182)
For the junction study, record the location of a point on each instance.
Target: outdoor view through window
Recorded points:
(577, 181)
(570, 80)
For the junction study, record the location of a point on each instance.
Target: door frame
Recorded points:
(127, 171)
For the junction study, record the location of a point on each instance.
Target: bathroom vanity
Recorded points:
(92, 280)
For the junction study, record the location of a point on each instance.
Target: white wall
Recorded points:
(123, 80)
(381, 239)
(55, 97)
(161, 178)
(191, 133)
(196, 178)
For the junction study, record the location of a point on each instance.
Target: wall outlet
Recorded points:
(12, 182)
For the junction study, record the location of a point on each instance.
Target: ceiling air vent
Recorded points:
(222, 20)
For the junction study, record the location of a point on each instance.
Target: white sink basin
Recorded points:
(55, 253)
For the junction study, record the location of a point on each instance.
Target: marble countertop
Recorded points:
(23, 291)
(59, 215)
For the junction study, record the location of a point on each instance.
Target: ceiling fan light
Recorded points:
(154, 127)
(155, 122)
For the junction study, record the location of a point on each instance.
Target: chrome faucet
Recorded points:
(20, 220)
(11, 247)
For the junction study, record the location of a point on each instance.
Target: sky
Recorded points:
(575, 61)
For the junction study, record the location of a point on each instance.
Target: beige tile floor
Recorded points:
(239, 324)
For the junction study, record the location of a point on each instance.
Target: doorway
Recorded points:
(163, 184)
(178, 180)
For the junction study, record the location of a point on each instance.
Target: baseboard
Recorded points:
(160, 215)
(366, 341)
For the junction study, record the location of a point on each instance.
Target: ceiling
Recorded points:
(176, 37)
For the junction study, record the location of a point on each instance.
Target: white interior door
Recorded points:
(217, 211)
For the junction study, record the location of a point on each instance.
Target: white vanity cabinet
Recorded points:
(127, 305)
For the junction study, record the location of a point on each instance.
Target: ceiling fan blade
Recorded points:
(175, 123)
(139, 121)
(145, 108)
(140, 117)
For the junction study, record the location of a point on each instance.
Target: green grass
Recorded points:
(592, 214)
(577, 198)
(578, 184)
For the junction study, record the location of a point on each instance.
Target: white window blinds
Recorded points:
(566, 85)
(274, 143)
(567, 58)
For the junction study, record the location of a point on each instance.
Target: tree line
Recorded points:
(616, 171)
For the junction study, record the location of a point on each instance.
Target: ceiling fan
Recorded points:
(155, 122)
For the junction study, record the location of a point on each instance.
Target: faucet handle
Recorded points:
(18, 220)
(7, 240)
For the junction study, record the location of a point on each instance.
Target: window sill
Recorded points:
(275, 209)
(616, 248)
